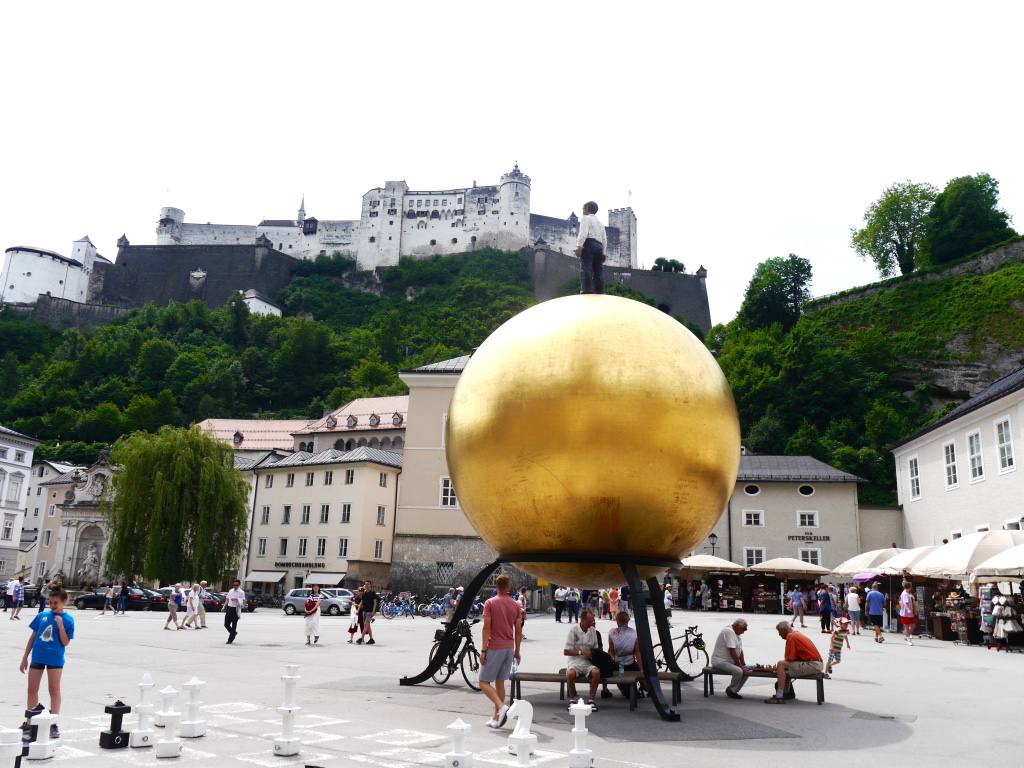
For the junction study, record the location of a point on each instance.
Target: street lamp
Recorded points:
(713, 540)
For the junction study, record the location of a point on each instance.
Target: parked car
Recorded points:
(157, 600)
(138, 600)
(336, 601)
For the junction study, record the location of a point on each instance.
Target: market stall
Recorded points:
(721, 575)
(998, 575)
(865, 561)
(789, 569)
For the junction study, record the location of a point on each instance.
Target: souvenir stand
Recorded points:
(1000, 601)
(721, 575)
(788, 569)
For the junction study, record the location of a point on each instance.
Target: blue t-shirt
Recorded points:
(876, 603)
(47, 648)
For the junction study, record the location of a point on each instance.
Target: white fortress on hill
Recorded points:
(396, 221)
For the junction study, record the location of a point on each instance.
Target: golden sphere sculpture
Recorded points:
(592, 424)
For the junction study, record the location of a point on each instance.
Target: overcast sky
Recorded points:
(743, 130)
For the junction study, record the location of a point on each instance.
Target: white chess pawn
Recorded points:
(580, 756)
(459, 757)
(192, 726)
(287, 743)
(43, 748)
(10, 743)
(167, 697)
(143, 735)
(169, 745)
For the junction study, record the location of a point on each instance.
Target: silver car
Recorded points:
(336, 601)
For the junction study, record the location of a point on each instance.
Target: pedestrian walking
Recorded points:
(354, 611)
(875, 602)
(108, 600)
(19, 598)
(908, 612)
(853, 607)
(232, 609)
(590, 250)
(668, 603)
(368, 609)
(798, 603)
(524, 603)
(572, 602)
(173, 603)
(204, 595)
(840, 636)
(191, 602)
(448, 604)
(122, 599)
(500, 646)
(560, 593)
(825, 609)
(705, 596)
(311, 610)
(52, 630)
(613, 602)
(8, 595)
(42, 593)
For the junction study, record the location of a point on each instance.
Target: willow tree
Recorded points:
(177, 506)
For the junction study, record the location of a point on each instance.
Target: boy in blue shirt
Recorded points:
(52, 630)
(875, 601)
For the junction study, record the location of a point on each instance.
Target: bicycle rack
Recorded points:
(636, 597)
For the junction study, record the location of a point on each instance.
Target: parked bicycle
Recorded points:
(691, 653)
(464, 656)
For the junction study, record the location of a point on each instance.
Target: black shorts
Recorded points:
(37, 665)
(876, 619)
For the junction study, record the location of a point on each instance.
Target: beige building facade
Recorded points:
(959, 475)
(322, 518)
(788, 506)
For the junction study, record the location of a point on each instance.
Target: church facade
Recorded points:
(396, 222)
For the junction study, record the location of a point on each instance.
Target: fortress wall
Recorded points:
(680, 294)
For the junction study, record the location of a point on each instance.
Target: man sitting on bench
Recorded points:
(801, 659)
(582, 640)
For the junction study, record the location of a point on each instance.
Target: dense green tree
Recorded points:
(768, 434)
(667, 265)
(893, 227)
(237, 333)
(965, 219)
(102, 424)
(155, 357)
(776, 293)
(177, 509)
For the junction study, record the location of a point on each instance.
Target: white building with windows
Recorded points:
(16, 452)
(793, 506)
(959, 475)
(28, 272)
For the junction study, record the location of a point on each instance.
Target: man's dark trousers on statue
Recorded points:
(591, 261)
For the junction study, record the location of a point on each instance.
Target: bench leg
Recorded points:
(632, 697)
(561, 691)
(821, 691)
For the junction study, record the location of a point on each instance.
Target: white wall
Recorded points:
(28, 273)
(261, 307)
(994, 500)
(15, 467)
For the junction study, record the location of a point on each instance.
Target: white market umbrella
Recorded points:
(896, 565)
(865, 561)
(957, 559)
(1007, 564)
(710, 563)
(790, 565)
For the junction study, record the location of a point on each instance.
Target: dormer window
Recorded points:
(237, 438)
(397, 419)
(351, 421)
(374, 420)
(331, 422)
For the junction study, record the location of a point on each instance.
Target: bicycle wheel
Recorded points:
(659, 658)
(693, 661)
(445, 671)
(471, 667)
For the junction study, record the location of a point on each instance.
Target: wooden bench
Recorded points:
(626, 678)
(710, 672)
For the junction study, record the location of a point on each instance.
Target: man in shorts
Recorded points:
(52, 630)
(502, 637)
(875, 603)
(579, 645)
(801, 659)
(368, 609)
(908, 612)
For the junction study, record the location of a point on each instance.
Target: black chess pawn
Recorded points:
(116, 737)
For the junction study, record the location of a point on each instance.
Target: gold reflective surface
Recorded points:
(592, 424)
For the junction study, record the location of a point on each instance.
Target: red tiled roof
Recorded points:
(361, 410)
(255, 434)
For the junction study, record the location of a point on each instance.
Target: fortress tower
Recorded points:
(168, 229)
(514, 207)
(624, 220)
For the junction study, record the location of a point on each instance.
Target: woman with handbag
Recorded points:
(311, 610)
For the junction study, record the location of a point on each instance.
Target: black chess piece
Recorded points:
(115, 737)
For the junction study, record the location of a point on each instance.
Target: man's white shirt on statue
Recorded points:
(591, 226)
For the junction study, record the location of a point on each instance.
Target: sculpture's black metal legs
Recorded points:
(661, 621)
(643, 632)
(451, 637)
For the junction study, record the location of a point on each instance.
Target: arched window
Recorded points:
(397, 442)
(385, 442)
(350, 444)
(339, 444)
(362, 442)
(374, 442)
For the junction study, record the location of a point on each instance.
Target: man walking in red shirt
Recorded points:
(502, 636)
(801, 659)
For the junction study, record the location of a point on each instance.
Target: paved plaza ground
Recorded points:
(928, 705)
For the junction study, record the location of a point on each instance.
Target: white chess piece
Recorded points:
(521, 742)
(43, 748)
(580, 756)
(143, 734)
(287, 743)
(193, 726)
(167, 697)
(169, 745)
(10, 743)
(459, 757)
